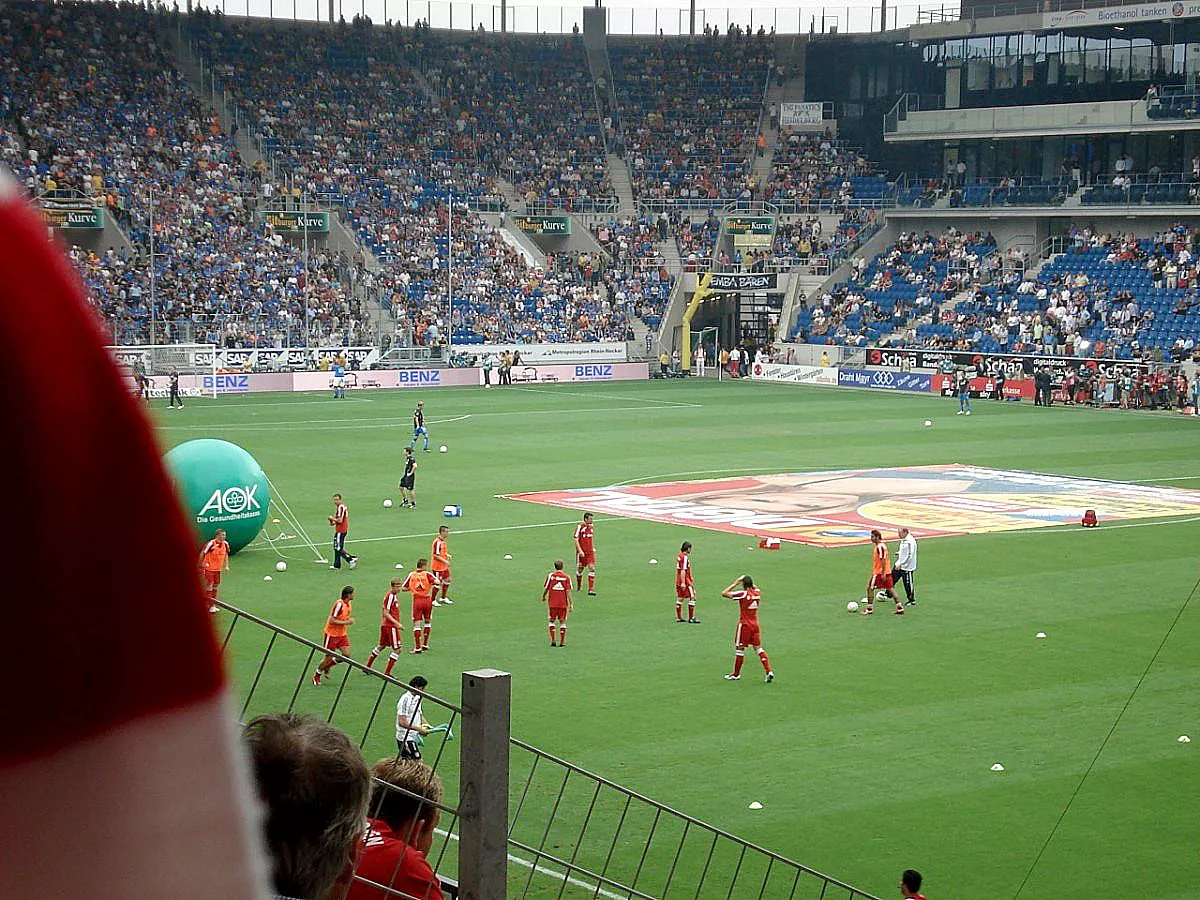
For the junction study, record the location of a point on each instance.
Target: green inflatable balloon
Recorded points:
(222, 486)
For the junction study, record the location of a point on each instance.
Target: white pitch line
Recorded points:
(225, 405)
(610, 397)
(640, 478)
(537, 867)
(396, 421)
(1156, 480)
(425, 534)
(1063, 529)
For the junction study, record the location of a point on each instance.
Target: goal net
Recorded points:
(195, 363)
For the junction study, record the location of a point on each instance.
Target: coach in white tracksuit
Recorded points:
(906, 565)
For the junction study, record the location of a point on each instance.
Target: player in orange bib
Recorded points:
(881, 575)
(389, 628)
(685, 590)
(440, 555)
(214, 559)
(556, 594)
(422, 584)
(336, 639)
(748, 598)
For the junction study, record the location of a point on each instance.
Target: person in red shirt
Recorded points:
(336, 639)
(340, 520)
(685, 590)
(214, 559)
(440, 564)
(422, 584)
(389, 628)
(556, 594)
(748, 598)
(880, 581)
(585, 554)
(392, 851)
(910, 885)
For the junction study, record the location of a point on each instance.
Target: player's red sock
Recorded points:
(762, 656)
(425, 637)
(591, 582)
(579, 581)
(678, 610)
(691, 609)
(562, 635)
(738, 659)
(371, 659)
(391, 662)
(552, 636)
(417, 637)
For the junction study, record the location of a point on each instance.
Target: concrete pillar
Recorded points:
(483, 775)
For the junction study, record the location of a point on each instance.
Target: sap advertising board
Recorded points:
(885, 380)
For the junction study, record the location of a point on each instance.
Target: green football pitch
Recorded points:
(873, 749)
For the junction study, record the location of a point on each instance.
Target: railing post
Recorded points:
(483, 774)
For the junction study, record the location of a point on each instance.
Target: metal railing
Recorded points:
(557, 828)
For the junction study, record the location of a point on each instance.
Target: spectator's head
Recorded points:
(406, 795)
(910, 883)
(315, 785)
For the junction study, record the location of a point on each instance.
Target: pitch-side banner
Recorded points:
(800, 115)
(1013, 365)
(826, 375)
(747, 282)
(1120, 15)
(538, 354)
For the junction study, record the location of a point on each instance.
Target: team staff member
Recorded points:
(422, 584)
(881, 575)
(336, 639)
(390, 628)
(906, 565)
(685, 590)
(174, 395)
(748, 598)
(556, 594)
(214, 559)
(419, 429)
(410, 721)
(964, 393)
(585, 554)
(440, 554)
(408, 480)
(340, 520)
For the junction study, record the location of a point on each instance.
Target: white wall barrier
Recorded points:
(255, 382)
(545, 354)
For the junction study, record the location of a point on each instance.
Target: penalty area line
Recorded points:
(543, 870)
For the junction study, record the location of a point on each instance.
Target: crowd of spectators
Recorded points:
(690, 111)
(103, 115)
(812, 168)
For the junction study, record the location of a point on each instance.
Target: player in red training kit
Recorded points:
(336, 639)
(439, 562)
(881, 575)
(585, 554)
(748, 597)
(910, 885)
(390, 628)
(214, 559)
(684, 589)
(556, 594)
(422, 584)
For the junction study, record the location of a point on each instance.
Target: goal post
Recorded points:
(195, 363)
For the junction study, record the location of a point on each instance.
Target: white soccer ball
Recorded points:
(928, 422)
(442, 449)
(852, 606)
(881, 597)
(281, 566)
(387, 504)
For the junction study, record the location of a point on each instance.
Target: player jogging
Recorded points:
(340, 520)
(556, 594)
(339, 380)
(684, 589)
(964, 393)
(408, 480)
(748, 597)
(419, 429)
(389, 628)
(214, 559)
(336, 639)
(585, 554)
(173, 394)
(440, 554)
(421, 583)
(881, 575)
